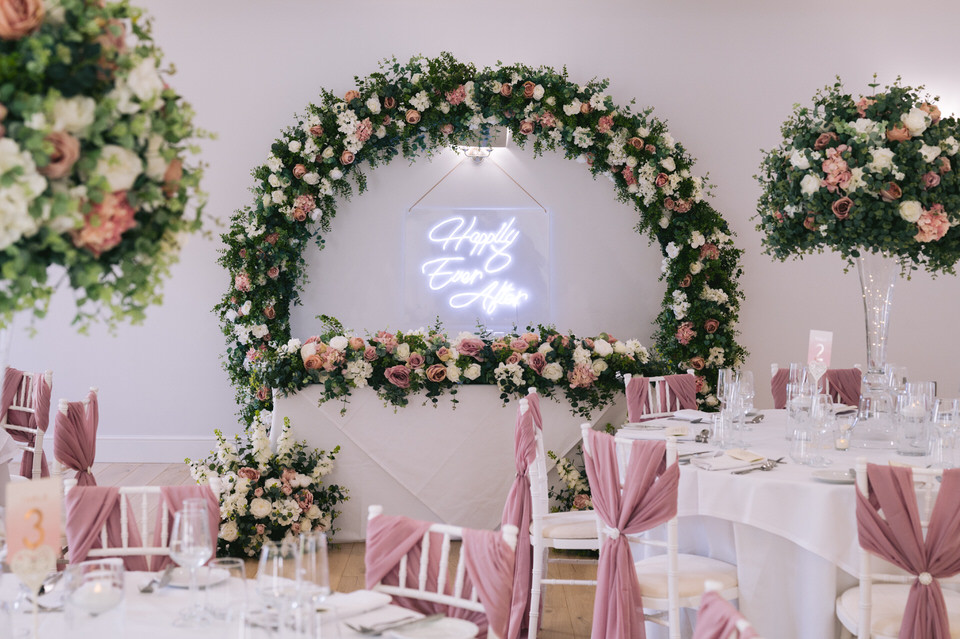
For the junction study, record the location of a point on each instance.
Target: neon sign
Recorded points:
(473, 268)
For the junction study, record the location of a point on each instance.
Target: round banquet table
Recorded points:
(793, 538)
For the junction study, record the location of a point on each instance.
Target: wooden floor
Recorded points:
(568, 610)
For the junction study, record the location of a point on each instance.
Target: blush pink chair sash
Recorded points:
(845, 385)
(648, 499)
(75, 438)
(40, 418)
(88, 508)
(683, 388)
(898, 538)
(488, 565)
(533, 401)
(718, 619)
(778, 387)
(174, 497)
(518, 512)
(637, 391)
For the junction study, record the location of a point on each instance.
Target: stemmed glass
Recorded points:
(315, 576)
(943, 436)
(191, 546)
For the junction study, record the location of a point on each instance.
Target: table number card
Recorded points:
(33, 529)
(818, 354)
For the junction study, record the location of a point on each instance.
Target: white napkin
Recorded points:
(735, 459)
(348, 604)
(688, 415)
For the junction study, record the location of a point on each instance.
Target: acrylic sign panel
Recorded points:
(820, 346)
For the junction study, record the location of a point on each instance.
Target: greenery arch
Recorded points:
(409, 109)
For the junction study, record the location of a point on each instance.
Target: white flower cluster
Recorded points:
(571, 477)
(632, 348)
(714, 295)
(680, 304)
(20, 185)
(421, 101)
(715, 357)
(582, 137)
(358, 372)
(505, 372)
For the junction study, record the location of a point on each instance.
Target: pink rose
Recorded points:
(437, 373)
(506, 89)
(258, 492)
(863, 104)
(841, 208)
(548, 120)
(932, 225)
(299, 215)
(356, 343)
(271, 238)
(686, 281)
(627, 174)
(810, 223)
(529, 88)
(890, 192)
(636, 143)
(587, 342)
(369, 353)
(304, 500)
(605, 124)
(824, 140)
(537, 361)
(582, 502)
(263, 394)
(471, 347)
(316, 130)
(685, 333)
(364, 130)
(683, 206)
(261, 528)
(19, 18)
(650, 149)
(288, 475)
(944, 165)
(273, 272)
(662, 180)
(697, 363)
(105, 223)
(447, 129)
(398, 375)
(457, 96)
(711, 326)
(415, 360)
(249, 473)
(582, 376)
(709, 251)
(389, 340)
(412, 116)
(351, 95)
(66, 152)
(299, 171)
(347, 157)
(930, 179)
(389, 102)
(519, 345)
(526, 127)
(898, 133)
(269, 312)
(295, 527)
(514, 358)
(443, 354)
(669, 203)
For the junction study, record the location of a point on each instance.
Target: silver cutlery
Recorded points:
(756, 419)
(770, 464)
(160, 581)
(379, 629)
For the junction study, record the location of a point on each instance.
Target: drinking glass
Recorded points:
(821, 422)
(279, 578)
(191, 547)
(747, 390)
(943, 433)
(723, 378)
(92, 588)
(315, 583)
(226, 586)
(913, 417)
(799, 398)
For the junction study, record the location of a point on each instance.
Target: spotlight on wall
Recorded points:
(487, 141)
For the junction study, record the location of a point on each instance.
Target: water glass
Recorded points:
(191, 546)
(722, 435)
(279, 577)
(747, 390)
(226, 581)
(943, 433)
(315, 585)
(92, 588)
(799, 399)
(913, 418)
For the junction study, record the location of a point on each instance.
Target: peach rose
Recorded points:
(662, 180)
(514, 358)
(669, 203)
(299, 171)
(709, 251)
(519, 345)
(271, 238)
(697, 363)
(930, 180)
(351, 95)
(650, 149)
(810, 223)
(447, 129)
(357, 343)
(316, 130)
(415, 360)
(933, 110)
(711, 326)
(528, 89)
(389, 103)
(313, 362)
(413, 116)
(304, 500)
(890, 192)
(105, 223)
(249, 473)
(537, 361)
(636, 143)
(686, 281)
(498, 346)
(299, 215)
(398, 375)
(526, 127)
(437, 373)
(863, 104)
(269, 312)
(531, 338)
(585, 108)
(261, 528)
(19, 18)
(824, 140)
(582, 502)
(506, 89)
(66, 152)
(287, 490)
(841, 208)
(263, 394)
(898, 133)
(347, 158)
(944, 165)
(683, 206)
(369, 353)
(273, 272)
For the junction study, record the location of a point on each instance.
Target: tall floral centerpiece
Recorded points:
(874, 179)
(93, 147)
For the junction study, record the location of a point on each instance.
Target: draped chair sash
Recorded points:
(897, 537)
(173, 497)
(39, 419)
(88, 508)
(75, 438)
(533, 403)
(684, 389)
(518, 512)
(778, 388)
(637, 391)
(718, 619)
(648, 499)
(489, 565)
(845, 385)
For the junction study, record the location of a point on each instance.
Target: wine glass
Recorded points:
(943, 435)
(279, 577)
(226, 586)
(191, 547)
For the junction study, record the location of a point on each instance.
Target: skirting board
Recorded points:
(156, 450)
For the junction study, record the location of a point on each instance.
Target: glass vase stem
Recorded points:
(878, 274)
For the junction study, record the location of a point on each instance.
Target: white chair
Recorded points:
(24, 401)
(661, 401)
(574, 530)
(884, 587)
(672, 580)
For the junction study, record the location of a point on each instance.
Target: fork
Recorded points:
(160, 581)
(378, 629)
(770, 464)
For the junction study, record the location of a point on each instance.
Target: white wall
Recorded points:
(724, 74)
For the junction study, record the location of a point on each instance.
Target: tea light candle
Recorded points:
(843, 439)
(97, 596)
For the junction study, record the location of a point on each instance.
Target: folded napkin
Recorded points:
(688, 415)
(735, 459)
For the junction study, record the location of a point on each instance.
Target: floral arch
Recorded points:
(410, 109)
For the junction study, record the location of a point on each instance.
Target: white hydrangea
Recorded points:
(581, 355)
(637, 350)
(582, 137)
(716, 356)
(421, 101)
(950, 145)
(866, 127)
(714, 295)
(508, 372)
(680, 304)
(273, 163)
(598, 102)
(573, 108)
(358, 372)
(929, 153)
(697, 239)
(17, 193)
(672, 250)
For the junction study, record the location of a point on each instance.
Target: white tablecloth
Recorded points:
(793, 538)
(452, 464)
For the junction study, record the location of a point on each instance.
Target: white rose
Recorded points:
(538, 92)
(373, 104)
(453, 373)
(472, 371)
(73, 115)
(119, 166)
(336, 174)
(810, 184)
(697, 239)
(260, 507)
(311, 178)
(881, 159)
(294, 146)
(308, 349)
(672, 250)
(951, 145)
(327, 153)
(229, 531)
(929, 153)
(340, 343)
(145, 81)
(313, 512)
(799, 160)
(544, 348)
(552, 371)
(696, 267)
(273, 180)
(668, 164)
(911, 210)
(123, 96)
(598, 366)
(916, 121)
(403, 352)
(864, 126)
(602, 347)
(711, 400)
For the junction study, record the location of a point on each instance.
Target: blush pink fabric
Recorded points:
(898, 538)
(778, 387)
(648, 499)
(174, 497)
(637, 391)
(88, 508)
(683, 391)
(39, 419)
(75, 438)
(488, 565)
(718, 619)
(518, 512)
(845, 385)
(533, 401)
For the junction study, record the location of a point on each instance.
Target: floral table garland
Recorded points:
(408, 109)
(92, 150)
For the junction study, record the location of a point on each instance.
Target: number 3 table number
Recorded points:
(33, 529)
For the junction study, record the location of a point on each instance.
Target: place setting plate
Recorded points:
(180, 577)
(446, 628)
(828, 476)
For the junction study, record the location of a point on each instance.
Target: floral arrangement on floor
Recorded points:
(573, 493)
(93, 144)
(875, 173)
(427, 103)
(266, 494)
(586, 371)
